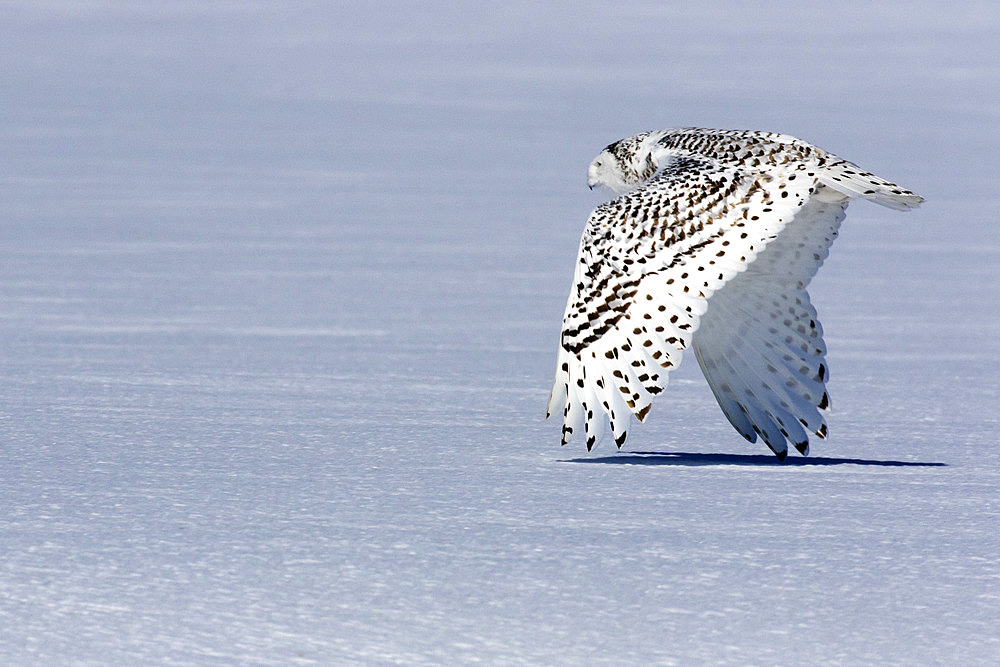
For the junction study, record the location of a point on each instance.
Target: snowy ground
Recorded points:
(281, 290)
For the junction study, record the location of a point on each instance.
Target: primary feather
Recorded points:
(710, 246)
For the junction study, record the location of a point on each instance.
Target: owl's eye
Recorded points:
(597, 163)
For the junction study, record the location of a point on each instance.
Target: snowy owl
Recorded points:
(710, 246)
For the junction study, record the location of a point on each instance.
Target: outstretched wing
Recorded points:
(760, 344)
(648, 262)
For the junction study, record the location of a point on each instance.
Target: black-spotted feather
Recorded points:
(750, 214)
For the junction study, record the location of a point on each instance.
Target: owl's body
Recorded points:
(710, 246)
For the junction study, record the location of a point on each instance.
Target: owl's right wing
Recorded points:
(760, 344)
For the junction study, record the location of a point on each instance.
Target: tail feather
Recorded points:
(851, 180)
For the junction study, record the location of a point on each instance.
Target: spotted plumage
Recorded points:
(710, 246)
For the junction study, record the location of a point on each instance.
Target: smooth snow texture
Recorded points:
(281, 293)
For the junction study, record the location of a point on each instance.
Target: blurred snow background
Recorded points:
(280, 290)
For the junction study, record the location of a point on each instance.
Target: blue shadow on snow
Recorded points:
(697, 459)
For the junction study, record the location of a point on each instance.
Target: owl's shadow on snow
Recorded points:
(701, 459)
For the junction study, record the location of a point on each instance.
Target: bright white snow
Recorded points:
(281, 291)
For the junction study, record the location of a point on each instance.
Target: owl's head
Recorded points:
(625, 164)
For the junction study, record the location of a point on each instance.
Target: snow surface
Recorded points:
(281, 289)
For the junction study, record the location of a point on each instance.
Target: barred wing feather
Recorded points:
(710, 247)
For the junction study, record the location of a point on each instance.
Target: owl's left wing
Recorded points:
(647, 264)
